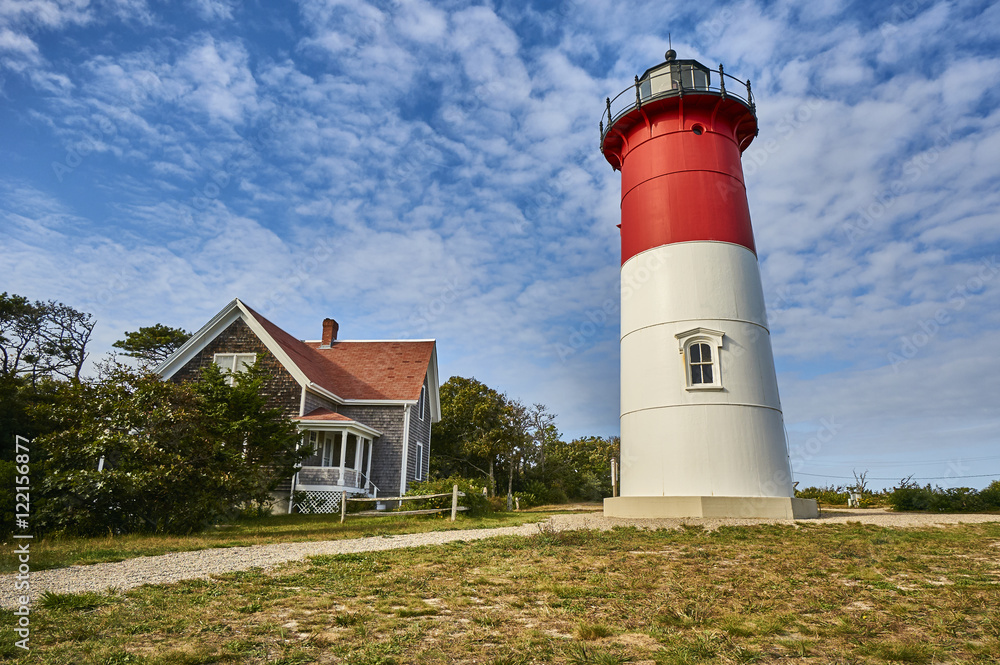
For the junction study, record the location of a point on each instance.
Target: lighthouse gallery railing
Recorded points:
(678, 78)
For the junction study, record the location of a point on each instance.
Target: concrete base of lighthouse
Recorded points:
(759, 507)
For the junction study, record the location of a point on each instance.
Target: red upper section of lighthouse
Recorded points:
(678, 148)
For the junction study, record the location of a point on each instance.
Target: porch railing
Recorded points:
(330, 475)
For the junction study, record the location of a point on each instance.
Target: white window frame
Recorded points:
(233, 363)
(689, 338)
(419, 474)
(422, 402)
(314, 443)
(346, 463)
(326, 456)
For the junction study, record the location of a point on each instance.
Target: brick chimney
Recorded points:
(330, 328)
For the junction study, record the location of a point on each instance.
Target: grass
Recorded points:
(60, 552)
(766, 594)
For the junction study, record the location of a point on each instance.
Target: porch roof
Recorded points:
(327, 419)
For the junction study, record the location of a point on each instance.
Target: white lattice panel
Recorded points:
(320, 502)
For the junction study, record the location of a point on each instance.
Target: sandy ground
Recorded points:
(167, 568)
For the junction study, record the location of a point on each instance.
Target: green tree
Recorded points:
(151, 345)
(42, 338)
(526, 430)
(575, 470)
(482, 430)
(131, 452)
(20, 321)
(471, 433)
(260, 440)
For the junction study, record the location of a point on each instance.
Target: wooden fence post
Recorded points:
(343, 506)
(454, 501)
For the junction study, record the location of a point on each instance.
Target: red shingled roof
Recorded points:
(358, 370)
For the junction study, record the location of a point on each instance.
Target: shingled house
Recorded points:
(364, 407)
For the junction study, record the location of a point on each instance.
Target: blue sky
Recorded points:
(419, 169)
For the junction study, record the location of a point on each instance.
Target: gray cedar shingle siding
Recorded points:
(387, 451)
(281, 389)
(420, 430)
(314, 401)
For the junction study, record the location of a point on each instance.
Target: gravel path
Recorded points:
(167, 568)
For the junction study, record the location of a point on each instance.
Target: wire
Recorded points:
(817, 475)
(961, 460)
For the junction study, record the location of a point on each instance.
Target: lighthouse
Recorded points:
(702, 433)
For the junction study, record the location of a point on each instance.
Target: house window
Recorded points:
(420, 462)
(420, 404)
(232, 363)
(700, 363)
(700, 349)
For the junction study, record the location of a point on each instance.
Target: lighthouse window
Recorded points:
(700, 350)
(701, 364)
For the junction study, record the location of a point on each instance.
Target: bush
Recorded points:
(474, 499)
(7, 475)
(869, 500)
(908, 496)
(991, 496)
(831, 495)
(545, 493)
(175, 456)
(526, 500)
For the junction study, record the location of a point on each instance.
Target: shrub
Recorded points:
(7, 475)
(991, 496)
(497, 504)
(830, 495)
(173, 457)
(544, 493)
(908, 495)
(527, 500)
(474, 499)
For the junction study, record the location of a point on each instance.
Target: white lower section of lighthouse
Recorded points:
(701, 427)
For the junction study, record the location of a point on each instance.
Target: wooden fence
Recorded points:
(455, 508)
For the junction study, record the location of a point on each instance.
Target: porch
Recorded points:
(341, 461)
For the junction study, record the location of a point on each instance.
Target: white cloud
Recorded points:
(220, 80)
(212, 10)
(19, 44)
(420, 21)
(46, 13)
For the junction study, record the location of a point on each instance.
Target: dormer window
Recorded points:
(699, 348)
